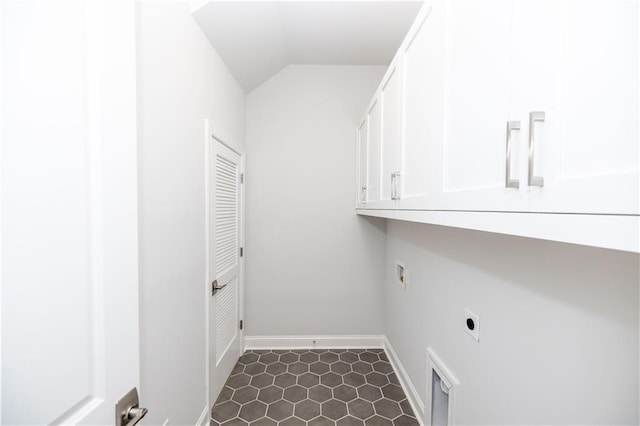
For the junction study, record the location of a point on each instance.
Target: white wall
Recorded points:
(312, 265)
(559, 324)
(181, 82)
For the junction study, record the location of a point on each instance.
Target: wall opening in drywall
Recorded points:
(442, 390)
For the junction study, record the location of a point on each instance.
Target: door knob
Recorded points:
(215, 287)
(128, 412)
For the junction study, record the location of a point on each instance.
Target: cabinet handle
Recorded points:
(394, 186)
(363, 194)
(508, 182)
(533, 117)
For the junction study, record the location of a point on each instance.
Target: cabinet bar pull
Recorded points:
(508, 182)
(533, 117)
(363, 194)
(394, 186)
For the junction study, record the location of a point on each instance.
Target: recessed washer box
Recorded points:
(401, 274)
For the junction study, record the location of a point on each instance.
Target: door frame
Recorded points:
(214, 133)
(1, 132)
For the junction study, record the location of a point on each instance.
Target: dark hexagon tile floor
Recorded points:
(335, 387)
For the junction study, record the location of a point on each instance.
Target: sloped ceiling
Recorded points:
(256, 39)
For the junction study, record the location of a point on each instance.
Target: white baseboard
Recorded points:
(203, 420)
(407, 385)
(314, 342)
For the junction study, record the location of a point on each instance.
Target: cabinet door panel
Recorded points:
(373, 164)
(362, 156)
(391, 106)
(535, 58)
(477, 108)
(587, 148)
(423, 97)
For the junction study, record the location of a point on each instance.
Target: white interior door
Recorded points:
(69, 210)
(225, 265)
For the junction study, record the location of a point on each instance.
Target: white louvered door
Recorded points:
(224, 263)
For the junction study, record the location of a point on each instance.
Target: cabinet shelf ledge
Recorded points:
(616, 232)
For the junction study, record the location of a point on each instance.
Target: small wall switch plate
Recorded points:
(472, 324)
(401, 274)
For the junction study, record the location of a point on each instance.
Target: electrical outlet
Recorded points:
(401, 274)
(472, 324)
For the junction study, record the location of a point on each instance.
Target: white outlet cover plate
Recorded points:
(475, 333)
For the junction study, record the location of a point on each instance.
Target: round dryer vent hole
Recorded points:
(472, 325)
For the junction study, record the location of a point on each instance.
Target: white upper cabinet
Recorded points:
(391, 106)
(577, 62)
(374, 136)
(508, 106)
(422, 56)
(477, 110)
(362, 166)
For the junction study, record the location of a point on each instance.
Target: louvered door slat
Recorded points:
(226, 318)
(226, 215)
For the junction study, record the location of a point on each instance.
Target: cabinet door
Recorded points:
(361, 167)
(391, 108)
(423, 97)
(582, 72)
(477, 109)
(374, 133)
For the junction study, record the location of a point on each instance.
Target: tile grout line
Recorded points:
(328, 387)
